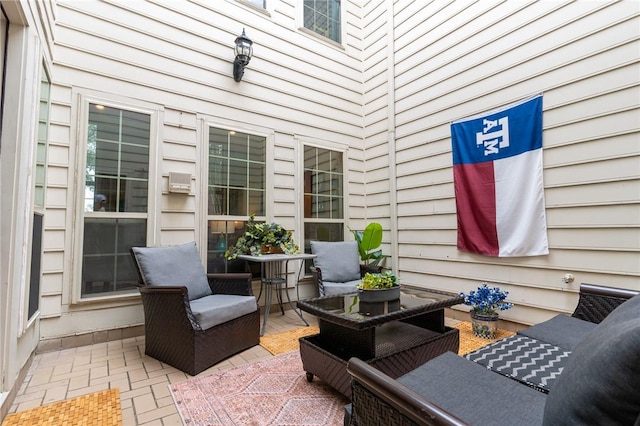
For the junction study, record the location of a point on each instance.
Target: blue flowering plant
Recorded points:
(487, 300)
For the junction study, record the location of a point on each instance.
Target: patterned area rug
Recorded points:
(269, 392)
(286, 341)
(469, 342)
(100, 408)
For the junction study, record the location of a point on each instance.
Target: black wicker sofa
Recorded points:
(578, 370)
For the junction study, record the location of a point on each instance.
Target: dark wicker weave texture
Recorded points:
(379, 400)
(373, 411)
(596, 302)
(173, 337)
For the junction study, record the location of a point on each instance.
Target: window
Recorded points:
(43, 134)
(115, 198)
(236, 188)
(259, 3)
(323, 196)
(39, 192)
(323, 17)
(4, 32)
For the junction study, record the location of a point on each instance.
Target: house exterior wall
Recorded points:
(176, 58)
(458, 59)
(386, 96)
(28, 49)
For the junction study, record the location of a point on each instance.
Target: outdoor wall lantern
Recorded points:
(243, 55)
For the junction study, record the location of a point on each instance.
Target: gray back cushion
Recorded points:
(600, 383)
(173, 265)
(338, 261)
(562, 330)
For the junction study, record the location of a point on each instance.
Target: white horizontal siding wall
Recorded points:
(457, 59)
(378, 204)
(27, 49)
(178, 56)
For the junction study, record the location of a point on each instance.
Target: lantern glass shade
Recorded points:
(243, 47)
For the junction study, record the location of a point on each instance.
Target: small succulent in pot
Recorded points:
(378, 281)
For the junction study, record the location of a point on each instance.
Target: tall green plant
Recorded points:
(369, 242)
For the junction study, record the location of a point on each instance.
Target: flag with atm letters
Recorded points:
(497, 173)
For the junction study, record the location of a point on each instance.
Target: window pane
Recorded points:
(217, 201)
(223, 234)
(238, 146)
(107, 266)
(116, 181)
(237, 167)
(117, 171)
(238, 202)
(136, 127)
(106, 158)
(256, 203)
(132, 196)
(257, 150)
(256, 176)
(320, 232)
(135, 162)
(259, 3)
(42, 138)
(323, 184)
(238, 174)
(323, 17)
(237, 162)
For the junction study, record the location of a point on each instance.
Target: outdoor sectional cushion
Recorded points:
(600, 383)
(160, 268)
(338, 261)
(475, 394)
(562, 330)
(217, 309)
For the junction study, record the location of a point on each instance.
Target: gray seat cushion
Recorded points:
(331, 289)
(216, 309)
(600, 383)
(562, 330)
(338, 261)
(173, 266)
(474, 394)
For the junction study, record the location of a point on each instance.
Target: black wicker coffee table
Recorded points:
(393, 337)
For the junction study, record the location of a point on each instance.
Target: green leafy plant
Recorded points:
(259, 234)
(369, 242)
(378, 281)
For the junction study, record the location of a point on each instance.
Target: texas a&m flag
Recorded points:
(497, 173)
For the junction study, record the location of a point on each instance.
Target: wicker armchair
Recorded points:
(337, 267)
(193, 320)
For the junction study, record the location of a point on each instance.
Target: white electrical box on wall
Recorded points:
(180, 182)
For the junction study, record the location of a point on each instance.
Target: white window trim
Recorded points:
(308, 32)
(156, 113)
(202, 135)
(267, 10)
(29, 130)
(300, 143)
